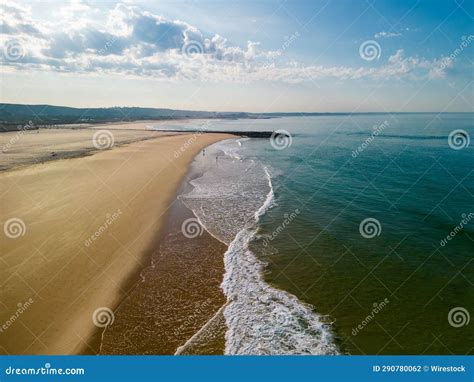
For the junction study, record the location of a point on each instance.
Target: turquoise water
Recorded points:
(387, 287)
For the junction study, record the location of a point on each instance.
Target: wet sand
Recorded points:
(177, 295)
(86, 226)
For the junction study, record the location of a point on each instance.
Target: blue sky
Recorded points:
(247, 55)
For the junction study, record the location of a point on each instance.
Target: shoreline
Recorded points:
(108, 272)
(195, 267)
(251, 301)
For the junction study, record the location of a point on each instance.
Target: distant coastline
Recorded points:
(14, 116)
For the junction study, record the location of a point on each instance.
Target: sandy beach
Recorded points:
(20, 148)
(77, 231)
(176, 307)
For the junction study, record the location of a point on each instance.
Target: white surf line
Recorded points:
(204, 226)
(183, 347)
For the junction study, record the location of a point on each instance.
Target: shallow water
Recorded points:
(388, 291)
(229, 200)
(177, 294)
(333, 242)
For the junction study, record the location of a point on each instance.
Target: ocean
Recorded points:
(354, 234)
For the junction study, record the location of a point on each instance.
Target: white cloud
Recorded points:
(134, 42)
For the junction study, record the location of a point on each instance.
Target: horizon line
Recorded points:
(237, 112)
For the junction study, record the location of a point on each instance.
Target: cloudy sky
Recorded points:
(258, 56)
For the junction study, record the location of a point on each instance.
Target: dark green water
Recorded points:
(368, 218)
(416, 185)
(418, 188)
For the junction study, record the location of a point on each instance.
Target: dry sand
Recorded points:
(51, 280)
(149, 125)
(37, 146)
(138, 125)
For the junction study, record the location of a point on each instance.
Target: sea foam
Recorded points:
(229, 200)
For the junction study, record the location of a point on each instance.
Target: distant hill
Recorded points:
(13, 114)
(18, 114)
